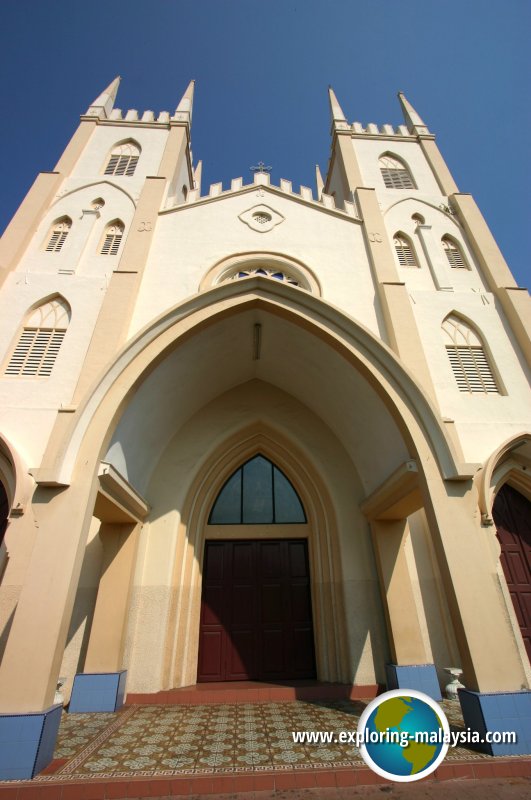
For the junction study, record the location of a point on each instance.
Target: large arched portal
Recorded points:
(174, 416)
(256, 381)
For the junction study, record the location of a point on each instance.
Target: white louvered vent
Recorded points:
(113, 237)
(471, 369)
(397, 179)
(36, 352)
(468, 359)
(121, 165)
(404, 251)
(395, 174)
(454, 255)
(58, 235)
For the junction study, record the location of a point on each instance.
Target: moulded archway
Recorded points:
(320, 530)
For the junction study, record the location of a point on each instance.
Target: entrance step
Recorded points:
(255, 692)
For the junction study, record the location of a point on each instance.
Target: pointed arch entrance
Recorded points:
(256, 610)
(298, 561)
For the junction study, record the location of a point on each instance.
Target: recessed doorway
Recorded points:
(256, 611)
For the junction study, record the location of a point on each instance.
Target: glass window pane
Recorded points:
(258, 491)
(288, 507)
(228, 506)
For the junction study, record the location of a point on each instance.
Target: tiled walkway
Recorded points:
(157, 750)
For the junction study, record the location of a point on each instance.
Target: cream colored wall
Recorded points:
(170, 484)
(436, 625)
(93, 160)
(79, 630)
(368, 151)
(398, 217)
(81, 250)
(29, 405)
(483, 421)
(330, 245)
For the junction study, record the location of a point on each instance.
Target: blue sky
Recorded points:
(262, 71)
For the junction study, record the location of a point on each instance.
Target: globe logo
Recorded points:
(403, 735)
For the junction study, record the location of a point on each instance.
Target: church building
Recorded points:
(259, 432)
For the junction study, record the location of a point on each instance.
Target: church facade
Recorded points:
(260, 433)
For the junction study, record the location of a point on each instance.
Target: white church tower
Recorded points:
(259, 433)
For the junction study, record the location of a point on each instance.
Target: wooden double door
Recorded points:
(512, 516)
(256, 611)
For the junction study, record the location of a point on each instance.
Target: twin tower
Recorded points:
(329, 388)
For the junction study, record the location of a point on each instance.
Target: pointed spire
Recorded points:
(335, 109)
(186, 103)
(411, 118)
(319, 181)
(103, 105)
(197, 176)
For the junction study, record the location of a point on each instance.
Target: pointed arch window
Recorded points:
(468, 358)
(404, 251)
(123, 159)
(112, 238)
(40, 340)
(58, 234)
(395, 174)
(454, 254)
(258, 493)
(265, 271)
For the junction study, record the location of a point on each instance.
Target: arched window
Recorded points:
(40, 340)
(395, 174)
(58, 234)
(112, 238)
(454, 254)
(123, 159)
(404, 251)
(258, 493)
(468, 358)
(265, 272)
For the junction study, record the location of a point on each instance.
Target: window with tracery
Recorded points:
(395, 174)
(123, 159)
(468, 358)
(58, 234)
(404, 251)
(40, 340)
(258, 493)
(112, 238)
(265, 272)
(454, 254)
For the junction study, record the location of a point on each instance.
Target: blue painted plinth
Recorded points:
(97, 691)
(422, 677)
(496, 712)
(27, 742)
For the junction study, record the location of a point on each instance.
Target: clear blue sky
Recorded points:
(262, 71)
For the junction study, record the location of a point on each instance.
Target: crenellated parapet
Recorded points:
(305, 194)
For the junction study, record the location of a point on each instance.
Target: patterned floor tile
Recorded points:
(225, 739)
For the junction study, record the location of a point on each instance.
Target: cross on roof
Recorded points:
(260, 168)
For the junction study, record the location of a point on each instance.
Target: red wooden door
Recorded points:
(512, 516)
(256, 615)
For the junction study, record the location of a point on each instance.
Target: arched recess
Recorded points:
(506, 477)
(346, 349)
(182, 643)
(510, 462)
(102, 184)
(93, 424)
